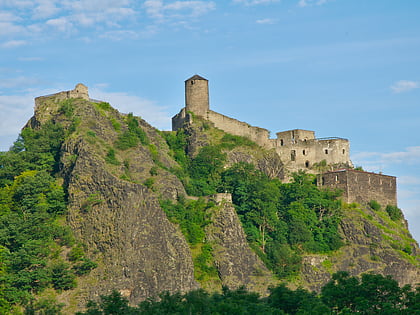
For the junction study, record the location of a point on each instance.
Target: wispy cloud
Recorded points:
(404, 86)
(306, 3)
(24, 19)
(157, 9)
(266, 21)
(376, 161)
(254, 2)
(13, 43)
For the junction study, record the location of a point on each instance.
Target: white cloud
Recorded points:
(157, 9)
(306, 3)
(376, 161)
(405, 86)
(62, 24)
(13, 43)
(266, 21)
(18, 82)
(255, 2)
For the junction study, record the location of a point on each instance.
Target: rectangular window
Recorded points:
(293, 155)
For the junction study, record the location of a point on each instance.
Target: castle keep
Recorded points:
(298, 149)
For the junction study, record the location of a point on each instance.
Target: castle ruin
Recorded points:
(298, 149)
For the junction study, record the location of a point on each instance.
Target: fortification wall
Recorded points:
(239, 128)
(80, 91)
(362, 187)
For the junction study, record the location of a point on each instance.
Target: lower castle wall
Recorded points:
(362, 187)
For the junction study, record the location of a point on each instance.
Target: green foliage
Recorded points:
(394, 212)
(373, 294)
(282, 219)
(191, 215)
(205, 170)
(149, 182)
(66, 107)
(133, 136)
(177, 142)
(84, 266)
(30, 207)
(33, 150)
(230, 141)
(115, 124)
(374, 205)
(44, 306)
(104, 106)
(154, 152)
(91, 134)
(62, 278)
(203, 263)
(111, 158)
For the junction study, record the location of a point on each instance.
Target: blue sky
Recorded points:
(346, 68)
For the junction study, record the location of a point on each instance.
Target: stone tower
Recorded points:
(197, 95)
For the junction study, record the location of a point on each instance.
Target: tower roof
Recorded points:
(196, 77)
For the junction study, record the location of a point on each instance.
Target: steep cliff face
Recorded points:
(113, 194)
(373, 243)
(237, 264)
(111, 211)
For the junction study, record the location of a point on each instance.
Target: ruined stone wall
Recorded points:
(239, 128)
(362, 187)
(303, 154)
(80, 91)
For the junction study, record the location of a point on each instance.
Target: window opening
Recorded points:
(293, 155)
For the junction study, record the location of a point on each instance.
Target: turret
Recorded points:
(197, 95)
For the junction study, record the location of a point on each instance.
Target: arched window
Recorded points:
(307, 164)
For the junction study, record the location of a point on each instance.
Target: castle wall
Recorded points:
(239, 128)
(80, 91)
(299, 154)
(362, 187)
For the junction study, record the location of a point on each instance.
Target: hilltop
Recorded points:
(201, 206)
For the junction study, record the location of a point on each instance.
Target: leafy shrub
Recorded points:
(84, 267)
(66, 108)
(149, 182)
(374, 205)
(394, 212)
(131, 137)
(62, 277)
(104, 105)
(111, 158)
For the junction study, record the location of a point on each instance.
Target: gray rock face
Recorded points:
(237, 264)
(123, 226)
